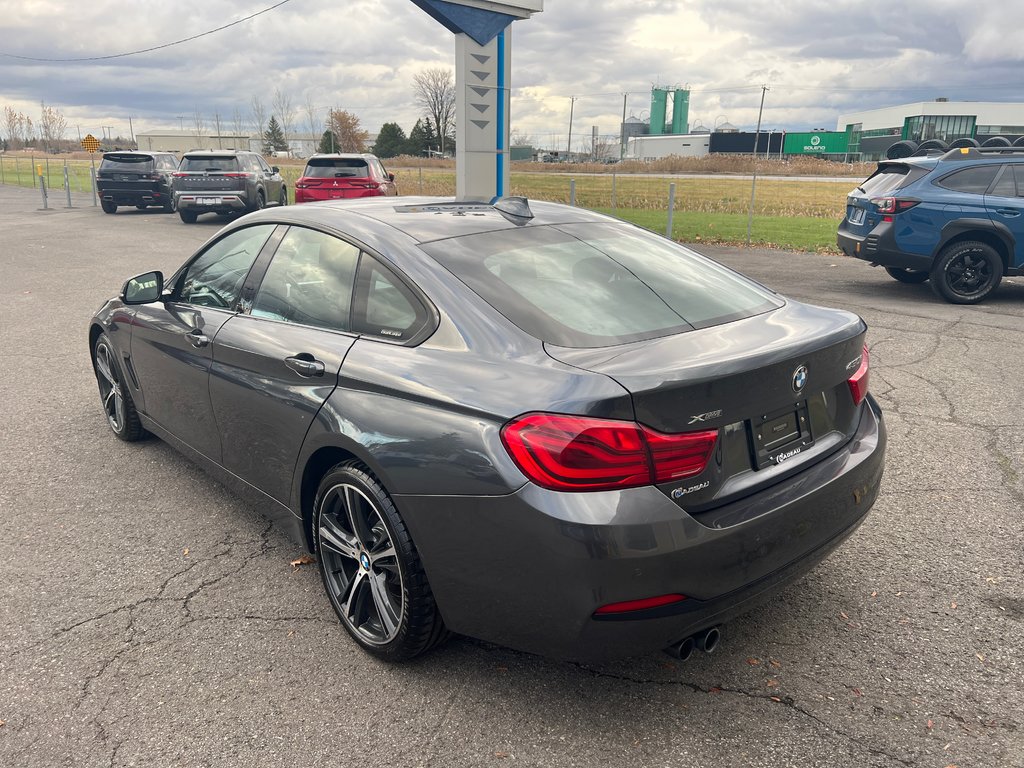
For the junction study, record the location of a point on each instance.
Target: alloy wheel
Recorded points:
(363, 577)
(110, 387)
(969, 273)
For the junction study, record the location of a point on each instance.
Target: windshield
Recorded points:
(210, 163)
(135, 163)
(590, 285)
(336, 167)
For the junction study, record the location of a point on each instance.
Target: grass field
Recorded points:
(795, 214)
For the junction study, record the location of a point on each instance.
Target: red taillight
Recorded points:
(308, 183)
(576, 453)
(180, 174)
(639, 605)
(893, 204)
(237, 175)
(859, 381)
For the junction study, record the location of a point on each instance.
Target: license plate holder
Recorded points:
(210, 201)
(779, 436)
(857, 216)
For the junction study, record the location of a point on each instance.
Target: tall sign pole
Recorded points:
(483, 57)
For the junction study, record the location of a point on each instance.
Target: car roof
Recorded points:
(425, 219)
(340, 156)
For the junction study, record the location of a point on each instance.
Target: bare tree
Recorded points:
(345, 126)
(14, 121)
(216, 122)
(519, 138)
(200, 127)
(285, 112)
(259, 117)
(313, 123)
(52, 125)
(434, 90)
(238, 127)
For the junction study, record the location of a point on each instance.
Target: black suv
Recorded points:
(225, 181)
(954, 218)
(136, 178)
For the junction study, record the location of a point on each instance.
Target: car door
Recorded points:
(1005, 205)
(271, 180)
(171, 347)
(276, 364)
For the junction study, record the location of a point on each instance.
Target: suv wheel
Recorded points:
(907, 275)
(261, 202)
(966, 272)
(108, 207)
(189, 217)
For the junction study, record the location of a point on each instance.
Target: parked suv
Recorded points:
(333, 177)
(956, 219)
(225, 181)
(136, 178)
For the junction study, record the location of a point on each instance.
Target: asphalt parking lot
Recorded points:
(149, 618)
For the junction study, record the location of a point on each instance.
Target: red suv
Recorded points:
(336, 177)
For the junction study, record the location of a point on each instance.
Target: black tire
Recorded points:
(115, 397)
(141, 206)
(931, 145)
(283, 197)
(901, 149)
(108, 207)
(260, 203)
(996, 141)
(911, 276)
(964, 143)
(169, 206)
(966, 272)
(370, 568)
(189, 217)
(1019, 141)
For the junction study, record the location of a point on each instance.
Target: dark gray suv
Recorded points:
(225, 181)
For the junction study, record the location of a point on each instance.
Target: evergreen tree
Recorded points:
(328, 143)
(421, 138)
(273, 138)
(391, 141)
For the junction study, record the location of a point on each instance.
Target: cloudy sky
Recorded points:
(818, 58)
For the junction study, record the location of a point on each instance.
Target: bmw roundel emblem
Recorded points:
(800, 378)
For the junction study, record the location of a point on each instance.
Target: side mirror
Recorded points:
(143, 289)
(275, 169)
(391, 177)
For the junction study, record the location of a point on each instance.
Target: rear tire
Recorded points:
(169, 206)
(966, 272)
(911, 276)
(108, 207)
(141, 206)
(370, 567)
(189, 217)
(261, 202)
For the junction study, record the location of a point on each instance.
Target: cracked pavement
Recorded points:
(150, 618)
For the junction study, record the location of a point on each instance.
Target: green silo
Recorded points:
(680, 111)
(659, 101)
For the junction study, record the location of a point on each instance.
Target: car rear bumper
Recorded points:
(879, 247)
(211, 202)
(129, 196)
(529, 570)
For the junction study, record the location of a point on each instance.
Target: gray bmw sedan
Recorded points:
(523, 422)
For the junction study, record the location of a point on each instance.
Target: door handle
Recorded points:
(197, 338)
(305, 365)
(1008, 212)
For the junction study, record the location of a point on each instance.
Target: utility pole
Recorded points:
(131, 130)
(753, 183)
(572, 107)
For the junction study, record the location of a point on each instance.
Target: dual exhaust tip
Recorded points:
(706, 640)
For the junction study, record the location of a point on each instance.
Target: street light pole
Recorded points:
(753, 183)
(572, 107)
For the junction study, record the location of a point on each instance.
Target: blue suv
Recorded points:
(956, 219)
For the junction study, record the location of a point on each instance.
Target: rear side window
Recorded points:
(336, 167)
(134, 163)
(591, 285)
(890, 177)
(975, 180)
(1005, 186)
(225, 163)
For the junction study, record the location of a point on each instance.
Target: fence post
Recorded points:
(3, 179)
(421, 178)
(671, 208)
(572, 192)
(31, 167)
(613, 190)
(92, 176)
(42, 184)
(67, 183)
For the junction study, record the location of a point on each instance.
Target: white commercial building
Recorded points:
(657, 147)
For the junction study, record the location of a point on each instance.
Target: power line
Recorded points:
(155, 47)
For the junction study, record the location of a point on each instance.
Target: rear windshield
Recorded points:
(136, 163)
(594, 285)
(890, 177)
(210, 163)
(336, 167)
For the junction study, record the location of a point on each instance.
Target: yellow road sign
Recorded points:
(90, 143)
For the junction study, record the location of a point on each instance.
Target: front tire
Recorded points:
(967, 272)
(117, 401)
(370, 567)
(910, 276)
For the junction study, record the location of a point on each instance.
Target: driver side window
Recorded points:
(215, 278)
